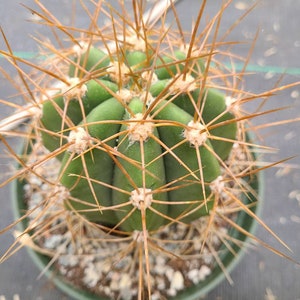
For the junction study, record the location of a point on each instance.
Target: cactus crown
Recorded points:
(147, 131)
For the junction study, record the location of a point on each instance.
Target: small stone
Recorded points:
(271, 51)
(282, 220)
(107, 290)
(294, 94)
(63, 270)
(215, 240)
(261, 62)
(106, 266)
(86, 260)
(283, 171)
(160, 282)
(171, 292)
(177, 282)
(193, 276)
(125, 281)
(295, 219)
(68, 260)
(269, 294)
(240, 5)
(197, 243)
(156, 296)
(53, 241)
(160, 260)
(293, 194)
(115, 279)
(276, 26)
(160, 269)
(204, 272)
(169, 273)
(262, 266)
(125, 287)
(91, 276)
(290, 135)
(269, 75)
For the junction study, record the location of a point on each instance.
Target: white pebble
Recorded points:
(282, 220)
(86, 260)
(125, 281)
(53, 241)
(269, 75)
(204, 272)
(215, 240)
(293, 194)
(283, 172)
(106, 266)
(177, 282)
(160, 269)
(68, 260)
(156, 296)
(193, 276)
(161, 285)
(240, 5)
(171, 292)
(295, 219)
(197, 243)
(125, 287)
(114, 284)
(294, 94)
(297, 44)
(207, 256)
(290, 135)
(169, 273)
(261, 62)
(276, 26)
(91, 276)
(271, 51)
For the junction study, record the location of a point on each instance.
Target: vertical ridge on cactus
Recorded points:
(150, 156)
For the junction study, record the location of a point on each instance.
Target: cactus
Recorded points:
(137, 142)
(146, 141)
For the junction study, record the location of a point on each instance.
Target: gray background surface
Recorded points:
(260, 274)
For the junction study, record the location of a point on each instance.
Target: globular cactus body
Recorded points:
(136, 138)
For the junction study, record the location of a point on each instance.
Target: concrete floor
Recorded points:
(260, 274)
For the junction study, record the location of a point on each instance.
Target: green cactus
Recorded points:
(133, 147)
